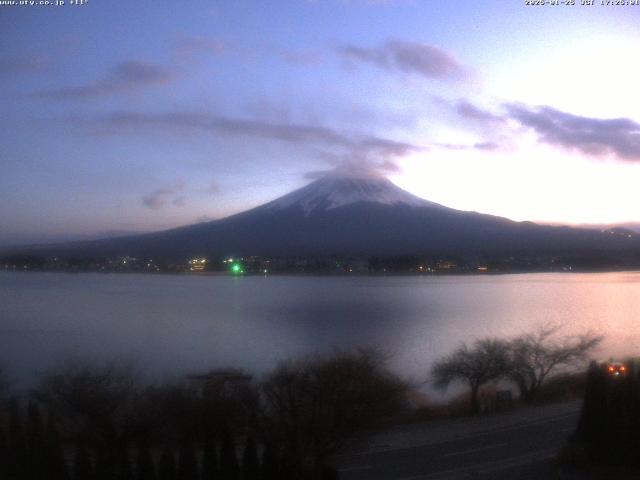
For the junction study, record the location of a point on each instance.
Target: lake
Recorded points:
(173, 324)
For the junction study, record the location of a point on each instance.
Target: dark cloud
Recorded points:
(213, 188)
(619, 137)
(180, 201)
(357, 145)
(122, 78)
(293, 133)
(139, 73)
(17, 65)
(163, 196)
(338, 148)
(409, 57)
(386, 148)
(155, 200)
(466, 109)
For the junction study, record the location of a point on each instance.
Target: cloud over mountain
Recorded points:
(161, 197)
(597, 137)
(408, 57)
(336, 147)
(124, 77)
(468, 110)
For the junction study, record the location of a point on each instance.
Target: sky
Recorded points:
(122, 117)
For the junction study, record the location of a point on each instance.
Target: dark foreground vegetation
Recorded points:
(608, 433)
(103, 423)
(88, 423)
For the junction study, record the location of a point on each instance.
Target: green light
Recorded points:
(236, 268)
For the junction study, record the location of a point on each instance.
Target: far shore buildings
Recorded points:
(197, 264)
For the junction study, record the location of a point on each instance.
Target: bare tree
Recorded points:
(476, 365)
(95, 400)
(314, 406)
(534, 356)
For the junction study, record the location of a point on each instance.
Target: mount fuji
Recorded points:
(346, 215)
(337, 191)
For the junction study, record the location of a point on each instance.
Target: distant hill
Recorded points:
(359, 216)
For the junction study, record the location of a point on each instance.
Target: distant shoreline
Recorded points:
(329, 274)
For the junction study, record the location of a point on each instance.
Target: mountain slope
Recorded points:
(355, 216)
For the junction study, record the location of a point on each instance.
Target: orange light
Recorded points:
(611, 369)
(622, 369)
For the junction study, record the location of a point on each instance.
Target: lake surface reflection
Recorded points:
(169, 325)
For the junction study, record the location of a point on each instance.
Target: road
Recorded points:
(511, 445)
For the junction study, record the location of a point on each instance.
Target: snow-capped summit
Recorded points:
(331, 191)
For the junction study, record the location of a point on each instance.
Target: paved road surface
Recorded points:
(513, 445)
